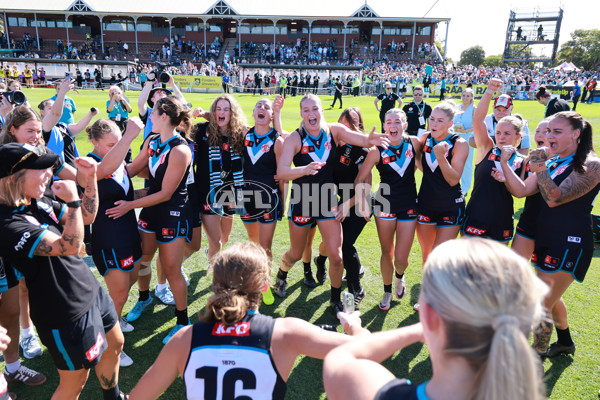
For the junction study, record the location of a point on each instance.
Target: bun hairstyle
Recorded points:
(542, 92)
(178, 113)
(489, 299)
(240, 273)
(17, 117)
(584, 144)
(101, 127)
(449, 108)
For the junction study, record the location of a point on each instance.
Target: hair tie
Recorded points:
(504, 319)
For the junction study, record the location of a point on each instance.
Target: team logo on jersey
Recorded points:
(240, 329)
(128, 262)
(475, 231)
(409, 153)
(265, 148)
(94, 351)
(327, 145)
(226, 146)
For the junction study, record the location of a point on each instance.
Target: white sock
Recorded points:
(27, 332)
(160, 287)
(12, 367)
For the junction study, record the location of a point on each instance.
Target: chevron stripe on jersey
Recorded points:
(257, 145)
(158, 153)
(317, 149)
(430, 158)
(398, 158)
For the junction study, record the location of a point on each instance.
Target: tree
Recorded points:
(473, 55)
(493, 61)
(583, 49)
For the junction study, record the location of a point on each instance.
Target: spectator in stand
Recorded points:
(553, 105)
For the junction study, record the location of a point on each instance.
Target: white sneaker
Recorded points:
(126, 327)
(416, 307)
(400, 287)
(125, 360)
(386, 301)
(166, 296)
(31, 347)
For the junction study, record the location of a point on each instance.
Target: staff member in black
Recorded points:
(417, 113)
(553, 105)
(339, 90)
(74, 316)
(388, 101)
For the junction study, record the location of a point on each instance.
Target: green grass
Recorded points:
(567, 378)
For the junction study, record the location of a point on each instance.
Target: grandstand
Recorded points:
(131, 30)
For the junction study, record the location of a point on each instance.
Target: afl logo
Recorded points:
(261, 196)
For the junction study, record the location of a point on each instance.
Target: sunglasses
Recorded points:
(38, 150)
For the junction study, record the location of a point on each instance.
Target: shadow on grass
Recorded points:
(559, 365)
(306, 380)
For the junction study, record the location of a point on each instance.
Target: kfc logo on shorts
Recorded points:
(128, 262)
(142, 224)
(206, 207)
(94, 351)
(424, 218)
(475, 231)
(302, 220)
(239, 329)
(304, 150)
(507, 234)
(382, 214)
(267, 216)
(265, 147)
(411, 212)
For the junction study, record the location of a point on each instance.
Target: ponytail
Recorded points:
(585, 144)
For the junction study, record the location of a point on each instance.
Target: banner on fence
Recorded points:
(203, 82)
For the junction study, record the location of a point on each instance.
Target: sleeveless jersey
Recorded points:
(567, 225)
(158, 161)
(260, 163)
(397, 170)
(401, 389)
(112, 188)
(531, 208)
(435, 192)
(345, 169)
(320, 186)
(490, 200)
(233, 362)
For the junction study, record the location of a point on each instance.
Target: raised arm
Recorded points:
(52, 118)
(176, 92)
(277, 106)
(77, 128)
(86, 176)
(70, 241)
(573, 187)
(483, 141)
(116, 155)
(142, 108)
(342, 133)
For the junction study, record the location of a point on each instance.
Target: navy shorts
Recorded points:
(298, 219)
(575, 261)
(81, 343)
(402, 214)
(122, 258)
(9, 276)
(263, 212)
(166, 223)
(492, 231)
(526, 227)
(454, 217)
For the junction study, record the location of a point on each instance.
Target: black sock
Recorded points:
(307, 270)
(281, 274)
(387, 288)
(564, 337)
(182, 316)
(399, 276)
(112, 393)
(336, 293)
(321, 261)
(144, 295)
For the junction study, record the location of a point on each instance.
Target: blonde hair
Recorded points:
(17, 117)
(11, 193)
(489, 300)
(310, 96)
(469, 90)
(100, 128)
(449, 108)
(516, 121)
(236, 127)
(240, 273)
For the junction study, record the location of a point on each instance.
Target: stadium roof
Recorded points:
(286, 9)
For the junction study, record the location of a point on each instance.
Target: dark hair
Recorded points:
(17, 117)
(584, 144)
(43, 103)
(177, 112)
(542, 92)
(240, 273)
(345, 116)
(102, 126)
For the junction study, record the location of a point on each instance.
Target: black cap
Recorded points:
(15, 157)
(154, 90)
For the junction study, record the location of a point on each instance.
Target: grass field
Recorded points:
(575, 377)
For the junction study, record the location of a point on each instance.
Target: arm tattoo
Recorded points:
(138, 194)
(43, 248)
(90, 204)
(573, 187)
